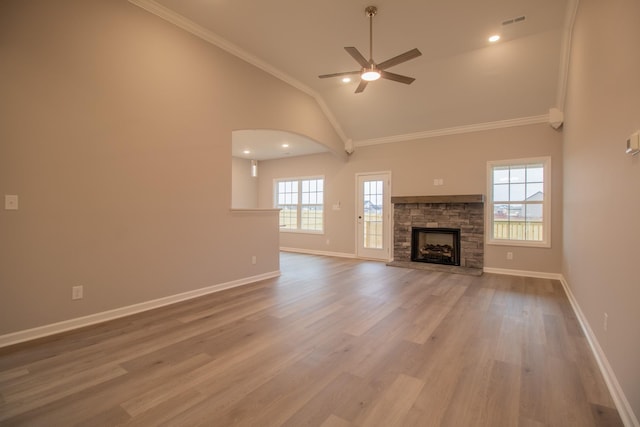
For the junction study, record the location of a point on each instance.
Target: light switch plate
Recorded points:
(10, 202)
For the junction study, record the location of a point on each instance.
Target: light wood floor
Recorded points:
(332, 342)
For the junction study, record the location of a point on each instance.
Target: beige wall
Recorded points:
(461, 160)
(602, 183)
(115, 132)
(244, 187)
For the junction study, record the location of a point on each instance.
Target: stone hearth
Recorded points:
(464, 212)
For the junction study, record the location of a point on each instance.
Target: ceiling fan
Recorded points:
(370, 70)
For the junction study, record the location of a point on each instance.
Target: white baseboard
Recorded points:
(314, 252)
(617, 394)
(523, 273)
(92, 319)
(622, 404)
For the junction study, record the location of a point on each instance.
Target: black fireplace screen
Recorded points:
(435, 245)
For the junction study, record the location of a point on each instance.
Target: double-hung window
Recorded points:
(301, 204)
(519, 205)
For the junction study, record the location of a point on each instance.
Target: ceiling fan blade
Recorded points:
(357, 56)
(346, 73)
(403, 57)
(361, 86)
(396, 77)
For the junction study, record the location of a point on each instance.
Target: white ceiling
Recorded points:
(264, 144)
(461, 79)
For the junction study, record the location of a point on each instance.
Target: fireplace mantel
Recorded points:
(458, 198)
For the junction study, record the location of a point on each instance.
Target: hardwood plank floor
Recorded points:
(332, 342)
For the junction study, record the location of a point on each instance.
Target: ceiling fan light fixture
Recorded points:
(370, 75)
(370, 70)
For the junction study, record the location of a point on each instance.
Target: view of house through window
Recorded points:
(373, 222)
(301, 203)
(519, 202)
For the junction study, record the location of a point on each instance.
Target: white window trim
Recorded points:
(546, 206)
(299, 178)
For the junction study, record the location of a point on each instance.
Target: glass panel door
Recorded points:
(373, 216)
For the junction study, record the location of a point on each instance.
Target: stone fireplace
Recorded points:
(461, 217)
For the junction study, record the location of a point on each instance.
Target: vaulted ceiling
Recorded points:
(462, 80)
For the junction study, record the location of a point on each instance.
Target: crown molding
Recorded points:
(209, 36)
(544, 118)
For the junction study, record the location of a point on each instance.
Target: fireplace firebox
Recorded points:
(435, 245)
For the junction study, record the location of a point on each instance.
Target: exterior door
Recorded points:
(373, 216)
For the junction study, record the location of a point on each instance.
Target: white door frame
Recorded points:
(386, 253)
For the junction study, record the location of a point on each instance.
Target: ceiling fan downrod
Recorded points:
(371, 71)
(371, 11)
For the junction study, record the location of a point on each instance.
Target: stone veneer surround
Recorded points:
(463, 212)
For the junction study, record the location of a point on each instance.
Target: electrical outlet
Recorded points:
(77, 292)
(254, 259)
(509, 255)
(11, 202)
(605, 322)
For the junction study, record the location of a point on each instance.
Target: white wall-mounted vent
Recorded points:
(514, 20)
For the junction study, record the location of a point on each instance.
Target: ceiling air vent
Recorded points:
(514, 20)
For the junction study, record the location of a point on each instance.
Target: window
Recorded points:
(519, 202)
(301, 204)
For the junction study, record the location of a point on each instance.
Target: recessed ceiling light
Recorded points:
(247, 152)
(285, 145)
(346, 79)
(494, 38)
